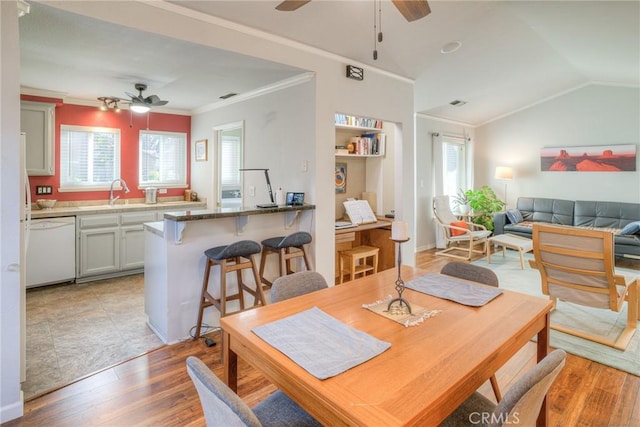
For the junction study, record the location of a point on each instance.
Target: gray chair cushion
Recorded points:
(293, 240)
(222, 407)
(242, 248)
(296, 284)
(474, 273)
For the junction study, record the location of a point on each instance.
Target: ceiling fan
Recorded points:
(140, 104)
(410, 9)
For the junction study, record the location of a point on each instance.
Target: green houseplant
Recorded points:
(484, 203)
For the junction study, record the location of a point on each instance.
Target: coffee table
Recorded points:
(511, 241)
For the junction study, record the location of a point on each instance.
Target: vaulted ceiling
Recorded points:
(512, 54)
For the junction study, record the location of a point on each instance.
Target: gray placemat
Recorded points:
(447, 287)
(319, 343)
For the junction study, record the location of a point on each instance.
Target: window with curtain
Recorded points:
(89, 157)
(231, 162)
(454, 166)
(163, 159)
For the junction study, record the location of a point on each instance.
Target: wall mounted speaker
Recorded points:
(355, 73)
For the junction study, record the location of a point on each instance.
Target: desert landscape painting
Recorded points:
(597, 158)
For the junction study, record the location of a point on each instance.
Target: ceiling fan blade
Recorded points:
(412, 9)
(134, 97)
(290, 5)
(154, 100)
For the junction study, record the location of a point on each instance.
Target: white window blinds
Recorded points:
(89, 157)
(231, 159)
(163, 159)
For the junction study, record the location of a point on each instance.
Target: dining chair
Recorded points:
(457, 231)
(222, 407)
(296, 284)
(577, 266)
(475, 273)
(521, 404)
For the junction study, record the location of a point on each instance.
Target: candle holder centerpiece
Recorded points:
(399, 234)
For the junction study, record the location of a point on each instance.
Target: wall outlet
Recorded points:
(44, 189)
(162, 191)
(252, 191)
(305, 166)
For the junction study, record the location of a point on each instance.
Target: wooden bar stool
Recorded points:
(360, 260)
(287, 248)
(230, 258)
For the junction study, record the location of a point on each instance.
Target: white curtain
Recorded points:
(438, 185)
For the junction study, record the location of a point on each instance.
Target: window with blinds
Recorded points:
(231, 161)
(163, 159)
(89, 157)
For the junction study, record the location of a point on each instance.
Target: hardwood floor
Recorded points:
(155, 389)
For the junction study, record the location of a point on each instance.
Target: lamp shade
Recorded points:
(504, 172)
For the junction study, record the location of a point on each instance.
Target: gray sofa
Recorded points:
(613, 216)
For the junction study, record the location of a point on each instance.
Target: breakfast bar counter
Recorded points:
(175, 261)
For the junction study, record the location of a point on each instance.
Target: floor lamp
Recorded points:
(504, 173)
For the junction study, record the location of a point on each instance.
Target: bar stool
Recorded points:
(230, 258)
(357, 259)
(287, 247)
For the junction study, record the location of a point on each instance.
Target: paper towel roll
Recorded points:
(279, 196)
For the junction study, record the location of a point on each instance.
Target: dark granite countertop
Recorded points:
(200, 214)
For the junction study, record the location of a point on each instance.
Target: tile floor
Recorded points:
(76, 329)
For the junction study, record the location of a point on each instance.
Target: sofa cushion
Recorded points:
(605, 214)
(631, 228)
(554, 211)
(515, 216)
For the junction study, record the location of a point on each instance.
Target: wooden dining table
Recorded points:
(428, 371)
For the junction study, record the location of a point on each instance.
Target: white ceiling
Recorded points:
(513, 54)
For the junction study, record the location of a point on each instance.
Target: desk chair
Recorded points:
(520, 406)
(222, 407)
(359, 260)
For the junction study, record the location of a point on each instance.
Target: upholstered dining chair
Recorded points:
(578, 266)
(296, 284)
(222, 407)
(521, 404)
(457, 232)
(478, 274)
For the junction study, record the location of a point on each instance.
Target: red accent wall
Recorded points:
(130, 125)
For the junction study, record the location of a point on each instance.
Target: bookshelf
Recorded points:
(359, 136)
(365, 162)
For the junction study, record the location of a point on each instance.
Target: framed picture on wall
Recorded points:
(596, 158)
(201, 150)
(341, 177)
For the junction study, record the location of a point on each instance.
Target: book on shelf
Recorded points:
(365, 122)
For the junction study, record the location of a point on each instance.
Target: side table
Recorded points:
(511, 241)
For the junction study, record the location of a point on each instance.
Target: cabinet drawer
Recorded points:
(137, 217)
(94, 221)
(345, 237)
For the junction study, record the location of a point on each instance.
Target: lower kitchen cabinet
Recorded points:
(112, 244)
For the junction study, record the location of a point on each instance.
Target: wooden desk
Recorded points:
(429, 370)
(376, 234)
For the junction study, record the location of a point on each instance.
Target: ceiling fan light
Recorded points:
(139, 108)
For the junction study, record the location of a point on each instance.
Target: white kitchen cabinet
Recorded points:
(98, 244)
(132, 239)
(37, 120)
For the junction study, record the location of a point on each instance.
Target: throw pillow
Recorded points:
(515, 216)
(631, 228)
(460, 224)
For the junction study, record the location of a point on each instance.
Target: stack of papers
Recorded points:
(344, 224)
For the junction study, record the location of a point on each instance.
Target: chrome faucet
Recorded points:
(112, 199)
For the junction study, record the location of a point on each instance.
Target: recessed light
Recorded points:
(451, 47)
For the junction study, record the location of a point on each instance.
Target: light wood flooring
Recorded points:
(155, 389)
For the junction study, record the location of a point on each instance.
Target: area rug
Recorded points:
(595, 321)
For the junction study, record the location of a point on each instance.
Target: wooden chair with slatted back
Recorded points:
(577, 266)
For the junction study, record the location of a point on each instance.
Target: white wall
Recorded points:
(592, 115)
(10, 399)
(278, 135)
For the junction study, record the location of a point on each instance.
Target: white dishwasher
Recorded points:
(51, 254)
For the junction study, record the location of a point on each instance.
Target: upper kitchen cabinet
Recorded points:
(37, 120)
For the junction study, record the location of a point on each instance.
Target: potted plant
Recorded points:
(484, 203)
(461, 202)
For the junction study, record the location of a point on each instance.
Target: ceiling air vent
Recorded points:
(229, 95)
(457, 103)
